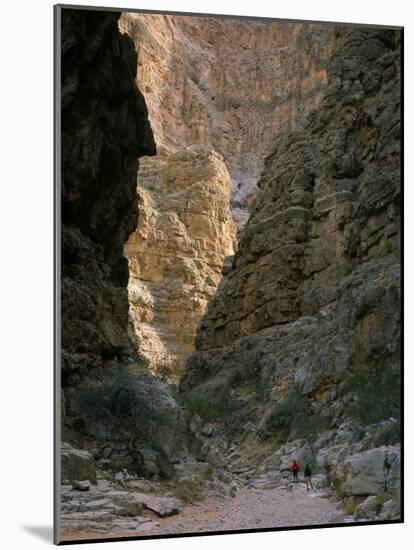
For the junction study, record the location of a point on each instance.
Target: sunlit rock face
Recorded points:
(228, 84)
(176, 255)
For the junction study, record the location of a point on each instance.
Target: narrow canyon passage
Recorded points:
(231, 303)
(216, 104)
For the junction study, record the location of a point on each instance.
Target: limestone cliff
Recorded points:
(176, 255)
(228, 84)
(329, 201)
(301, 344)
(208, 83)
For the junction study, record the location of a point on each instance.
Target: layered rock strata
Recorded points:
(228, 84)
(176, 255)
(301, 342)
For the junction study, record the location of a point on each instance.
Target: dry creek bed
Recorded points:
(251, 508)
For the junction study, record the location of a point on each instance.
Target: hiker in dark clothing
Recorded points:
(308, 477)
(295, 469)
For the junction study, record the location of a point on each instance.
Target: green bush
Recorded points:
(308, 426)
(117, 402)
(351, 504)
(375, 392)
(209, 409)
(293, 418)
(164, 371)
(164, 465)
(292, 403)
(381, 499)
(187, 490)
(282, 417)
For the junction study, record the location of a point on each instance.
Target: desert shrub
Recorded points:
(285, 410)
(308, 426)
(290, 404)
(187, 489)
(164, 371)
(239, 375)
(293, 418)
(375, 392)
(381, 499)
(120, 403)
(208, 408)
(352, 503)
(164, 465)
(247, 370)
(375, 505)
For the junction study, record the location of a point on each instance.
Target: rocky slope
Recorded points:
(176, 255)
(299, 352)
(230, 85)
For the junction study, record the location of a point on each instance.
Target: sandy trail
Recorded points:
(249, 509)
(253, 509)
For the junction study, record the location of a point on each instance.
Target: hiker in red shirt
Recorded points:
(295, 469)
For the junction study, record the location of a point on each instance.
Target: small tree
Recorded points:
(375, 392)
(120, 402)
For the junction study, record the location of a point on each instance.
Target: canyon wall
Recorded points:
(104, 130)
(228, 84)
(224, 85)
(299, 352)
(176, 255)
(116, 416)
(328, 202)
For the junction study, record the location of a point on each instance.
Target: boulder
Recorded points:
(196, 470)
(390, 510)
(76, 465)
(367, 509)
(81, 485)
(380, 507)
(127, 504)
(368, 473)
(162, 506)
(299, 450)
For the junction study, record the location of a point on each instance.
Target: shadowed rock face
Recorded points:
(106, 409)
(104, 130)
(314, 294)
(228, 84)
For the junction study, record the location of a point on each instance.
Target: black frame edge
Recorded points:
(57, 10)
